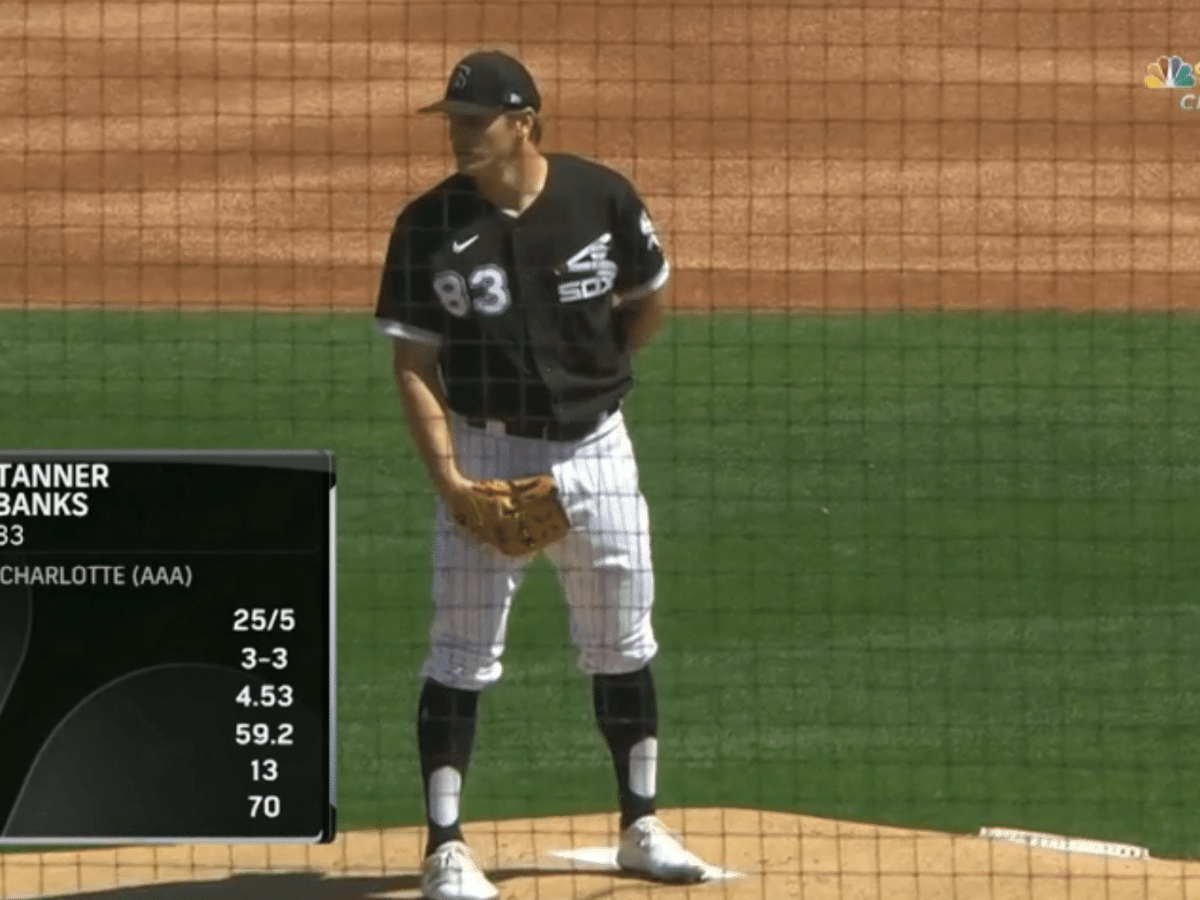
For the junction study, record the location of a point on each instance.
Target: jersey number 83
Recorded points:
(486, 289)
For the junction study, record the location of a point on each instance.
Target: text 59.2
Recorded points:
(260, 734)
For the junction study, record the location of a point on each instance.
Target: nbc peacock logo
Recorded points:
(1172, 72)
(1169, 72)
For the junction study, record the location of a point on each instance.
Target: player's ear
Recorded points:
(530, 125)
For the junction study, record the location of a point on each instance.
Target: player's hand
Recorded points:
(458, 493)
(470, 506)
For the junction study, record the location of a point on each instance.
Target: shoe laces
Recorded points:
(652, 829)
(451, 850)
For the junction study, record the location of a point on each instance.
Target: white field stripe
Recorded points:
(606, 858)
(1065, 844)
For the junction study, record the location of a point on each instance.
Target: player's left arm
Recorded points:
(640, 291)
(640, 318)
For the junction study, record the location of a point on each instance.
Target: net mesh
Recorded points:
(917, 436)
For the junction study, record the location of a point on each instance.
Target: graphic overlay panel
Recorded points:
(166, 635)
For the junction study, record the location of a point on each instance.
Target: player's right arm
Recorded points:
(408, 311)
(415, 367)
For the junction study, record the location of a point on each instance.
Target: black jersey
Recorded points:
(522, 307)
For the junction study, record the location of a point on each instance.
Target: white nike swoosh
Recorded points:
(459, 248)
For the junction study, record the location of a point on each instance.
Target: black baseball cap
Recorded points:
(487, 82)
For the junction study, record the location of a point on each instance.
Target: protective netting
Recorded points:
(917, 437)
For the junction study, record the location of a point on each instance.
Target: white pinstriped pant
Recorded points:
(603, 563)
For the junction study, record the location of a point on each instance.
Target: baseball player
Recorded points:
(516, 292)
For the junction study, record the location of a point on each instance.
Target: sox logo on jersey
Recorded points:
(593, 261)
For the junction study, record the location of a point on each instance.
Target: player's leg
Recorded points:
(627, 715)
(472, 593)
(609, 596)
(608, 579)
(605, 568)
(473, 588)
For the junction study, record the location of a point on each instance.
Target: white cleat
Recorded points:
(648, 848)
(450, 873)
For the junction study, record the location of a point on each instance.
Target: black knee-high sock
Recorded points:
(627, 712)
(445, 733)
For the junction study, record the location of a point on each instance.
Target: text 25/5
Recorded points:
(264, 619)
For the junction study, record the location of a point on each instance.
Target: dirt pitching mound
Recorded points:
(767, 856)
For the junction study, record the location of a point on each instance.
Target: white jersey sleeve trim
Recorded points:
(408, 332)
(650, 286)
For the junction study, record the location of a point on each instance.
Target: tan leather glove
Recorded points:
(517, 516)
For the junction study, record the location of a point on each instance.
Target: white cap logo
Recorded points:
(460, 77)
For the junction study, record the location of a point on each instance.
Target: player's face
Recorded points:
(480, 142)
